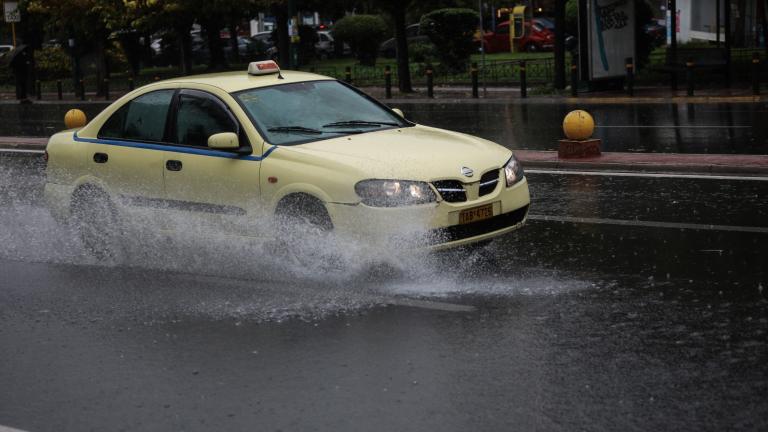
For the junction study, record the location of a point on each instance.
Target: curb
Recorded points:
(709, 164)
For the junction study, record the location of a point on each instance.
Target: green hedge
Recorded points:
(452, 31)
(363, 33)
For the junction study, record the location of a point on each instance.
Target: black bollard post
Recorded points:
(756, 74)
(82, 90)
(689, 66)
(59, 91)
(388, 82)
(473, 74)
(630, 64)
(106, 88)
(523, 81)
(348, 75)
(130, 83)
(39, 89)
(430, 82)
(574, 80)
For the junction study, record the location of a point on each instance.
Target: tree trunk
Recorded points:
(739, 37)
(233, 42)
(283, 38)
(185, 50)
(403, 66)
(215, 51)
(102, 66)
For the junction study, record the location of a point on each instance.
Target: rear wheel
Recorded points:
(97, 223)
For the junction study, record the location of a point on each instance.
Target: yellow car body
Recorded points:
(244, 190)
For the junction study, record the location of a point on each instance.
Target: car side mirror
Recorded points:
(399, 112)
(224, 141)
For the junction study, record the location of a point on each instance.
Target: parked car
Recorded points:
(537, 37)
(5, 49)
(657, 33)
(388, 48)
(279, 154)
(264, 40)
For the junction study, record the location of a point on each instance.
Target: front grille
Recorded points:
(451, 190)
(488, 182)
(460, 232)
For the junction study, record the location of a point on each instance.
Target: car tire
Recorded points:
(532, 48)
(304, 231)
(98, 225)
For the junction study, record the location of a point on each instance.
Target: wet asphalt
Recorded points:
(727, 128)
(626, 303)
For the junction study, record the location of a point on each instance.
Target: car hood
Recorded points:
(411, 153)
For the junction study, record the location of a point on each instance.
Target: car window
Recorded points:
(323, 38)
(537, 27)
(306, 111)
(198, 118)
(142, 119)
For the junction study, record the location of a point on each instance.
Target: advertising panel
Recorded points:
(611, 36)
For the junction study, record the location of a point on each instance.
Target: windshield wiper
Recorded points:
(296, 129)
(358, 123)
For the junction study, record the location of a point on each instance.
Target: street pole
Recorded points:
(560, 44)
(717, 22)
(294, 35)
(13, 32)
(482, 48)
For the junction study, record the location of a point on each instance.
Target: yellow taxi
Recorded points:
(284, 147)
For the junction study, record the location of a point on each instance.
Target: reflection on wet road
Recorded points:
(573, 326)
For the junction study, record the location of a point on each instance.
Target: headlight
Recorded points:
(393, 193)
(513, 171)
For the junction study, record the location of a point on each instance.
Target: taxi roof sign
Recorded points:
(266, 67)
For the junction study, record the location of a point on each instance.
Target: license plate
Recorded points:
(476, 214)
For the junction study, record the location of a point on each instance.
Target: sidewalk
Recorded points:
(712, 164)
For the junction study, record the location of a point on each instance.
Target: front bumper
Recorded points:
(433, 226)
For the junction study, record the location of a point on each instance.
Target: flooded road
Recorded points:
(626, 303)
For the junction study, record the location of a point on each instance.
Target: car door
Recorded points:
(212, 188)
(127, 155)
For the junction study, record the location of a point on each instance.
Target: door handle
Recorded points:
(173, 165)
(100, 157)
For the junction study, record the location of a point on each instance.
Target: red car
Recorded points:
(537, 38)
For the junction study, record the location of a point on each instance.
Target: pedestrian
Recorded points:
(20, 59)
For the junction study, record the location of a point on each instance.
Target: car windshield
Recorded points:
(297, 113)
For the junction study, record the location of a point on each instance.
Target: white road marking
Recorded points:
(671, 127)
(432, 305)
(644, 174)
(9, 429)
(650, 224)
(4, 150)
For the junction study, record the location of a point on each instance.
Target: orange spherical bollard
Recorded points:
(578, 125)
(75, 118)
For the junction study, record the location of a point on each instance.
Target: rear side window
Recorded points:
(200, 117)
(142, 119)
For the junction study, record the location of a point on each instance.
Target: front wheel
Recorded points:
(305, 232)
(98, 225)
